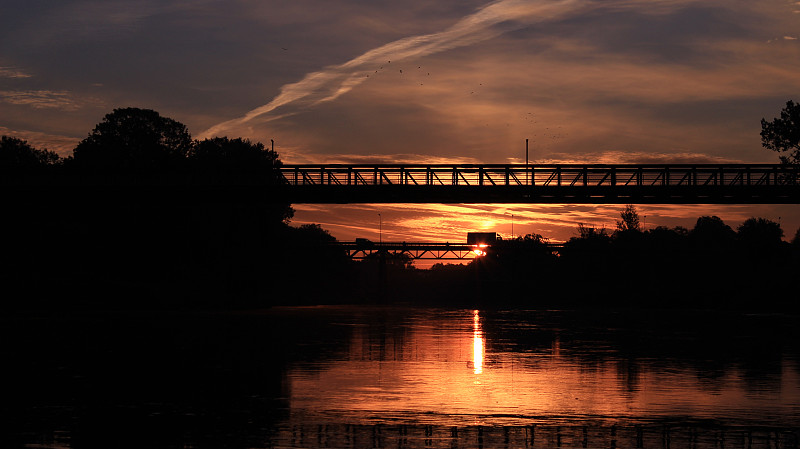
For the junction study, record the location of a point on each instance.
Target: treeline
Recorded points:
(140, 215)
(709, 266)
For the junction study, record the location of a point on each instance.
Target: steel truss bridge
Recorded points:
(620, 184)
(417, 251)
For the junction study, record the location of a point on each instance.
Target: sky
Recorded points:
(365, 81)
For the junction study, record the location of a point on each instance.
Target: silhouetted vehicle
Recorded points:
(364, 243)
(481, 238)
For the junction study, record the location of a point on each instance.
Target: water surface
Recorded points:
(342, 376)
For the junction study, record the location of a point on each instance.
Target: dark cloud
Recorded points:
(682, 36)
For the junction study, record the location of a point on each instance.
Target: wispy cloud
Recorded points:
(334, 81)
(360, 159)
(45, 99)
(63, 145)
(635, 157)
(13, 72)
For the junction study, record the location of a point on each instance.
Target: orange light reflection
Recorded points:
(430, 373)
(477, 344)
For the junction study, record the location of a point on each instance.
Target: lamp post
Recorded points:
(526, 161)
(380, 229)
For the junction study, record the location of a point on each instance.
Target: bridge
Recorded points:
(416, 251)
(365, 249)
(493, 183)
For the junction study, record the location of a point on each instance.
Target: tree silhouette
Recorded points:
(233, 160)
(588, 247)
(629, 219)
(134, 140)
(783, 134)
(662, 238)
(235, 165)
(589, 232)
(18, 155)
(712, 231)
(760, 233)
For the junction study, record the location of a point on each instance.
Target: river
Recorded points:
(371, 376)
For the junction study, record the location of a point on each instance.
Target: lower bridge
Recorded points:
(365, 249)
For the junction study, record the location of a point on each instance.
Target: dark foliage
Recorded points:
(232, 161)
(143, 217)
(134, 140)
(629, 220)
(782, 134)
(760, 233)
(19, 156)
(710, 266)
(711, 232)
(234, 166)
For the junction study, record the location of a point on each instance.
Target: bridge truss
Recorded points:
(415, 183)
(418, 251)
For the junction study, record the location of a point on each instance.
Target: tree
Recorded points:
(233, 159)
(665, 238)
(134, 140)
(234, 163)
(17, 154)
(712, 231)
(783, 134)
(589, 240)
(589, 232)
(760, 233)
(630, 220)
(314, 234)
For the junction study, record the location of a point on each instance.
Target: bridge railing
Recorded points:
(411, 250)
(542, 175)
(417, 250)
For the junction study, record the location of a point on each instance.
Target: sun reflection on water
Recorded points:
(477, 343)
(420, 367)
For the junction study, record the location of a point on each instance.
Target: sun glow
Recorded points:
(477, 344)
(480, 250)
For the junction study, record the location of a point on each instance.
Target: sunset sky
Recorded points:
(616, 81)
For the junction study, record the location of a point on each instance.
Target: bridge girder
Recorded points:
(591, 184)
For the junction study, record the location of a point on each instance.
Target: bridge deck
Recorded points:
(674, 183)
(417, 251)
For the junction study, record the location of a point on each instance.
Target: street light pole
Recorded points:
(512, 224)
(380, 229)
(526, 161)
